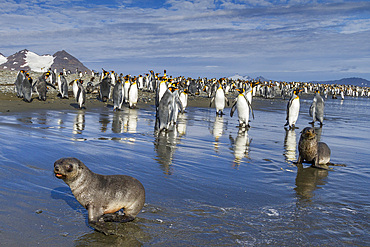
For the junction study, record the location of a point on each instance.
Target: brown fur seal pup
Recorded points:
(311, 151)
(102, 195)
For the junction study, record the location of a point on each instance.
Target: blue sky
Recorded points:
(296, 40)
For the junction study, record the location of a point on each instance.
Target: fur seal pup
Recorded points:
(102, 195)
(312, 151)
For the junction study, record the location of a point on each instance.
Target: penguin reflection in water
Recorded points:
(243, 105)
(240, 145)
(317, 109)
(293, 110)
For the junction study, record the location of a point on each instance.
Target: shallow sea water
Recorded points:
(207, 183)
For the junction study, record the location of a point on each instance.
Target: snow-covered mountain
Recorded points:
(30, 61)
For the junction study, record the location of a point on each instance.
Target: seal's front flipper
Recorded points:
(117, 217)
(332, 164)
(323, 167)
(101, 227)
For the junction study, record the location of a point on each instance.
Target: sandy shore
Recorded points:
(9, 102)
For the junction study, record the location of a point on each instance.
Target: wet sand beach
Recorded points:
(9, 102)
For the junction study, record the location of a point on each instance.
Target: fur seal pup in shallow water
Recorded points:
(312, 151)
(102, 195)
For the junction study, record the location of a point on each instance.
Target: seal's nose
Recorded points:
(56, 167)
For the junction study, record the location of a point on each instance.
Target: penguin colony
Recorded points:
(171, 94)
(125, 90)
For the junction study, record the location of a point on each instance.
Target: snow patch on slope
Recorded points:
(38, 63)
(240, 77)
(3, 59)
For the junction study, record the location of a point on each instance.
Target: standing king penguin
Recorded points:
(126, 87)
(63, 86)
(81, 94)
(184, 99)
(163, 112)
(133, 94)
(74, 84)
(118, 95)
(317, 109)
(293, 110)
(176, 104)
(18, 83)
(242, 104)
(27, 88)
(105, 85)
(219, 100)
(41, 86)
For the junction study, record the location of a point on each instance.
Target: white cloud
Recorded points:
(355, 26)
(274, 38)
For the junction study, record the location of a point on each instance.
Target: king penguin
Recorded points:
(293, 110)
(133, 94)
(317, 109)
(161, 89)
(184, 99)
(118, 95)
(81, 94)
(52, 77)
(164, 111)
(219, 100)
(74, 84)
(242, 104)
(27, 88)
(105, 85)
(41, 86)
(140, 82)
(18, 83)
(126, 87)
(176, 104)
(63, 86)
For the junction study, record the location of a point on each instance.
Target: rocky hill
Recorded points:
(349, 81)
(355, 81)
(30, 61)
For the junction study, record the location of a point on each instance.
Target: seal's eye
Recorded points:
(69, 168)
